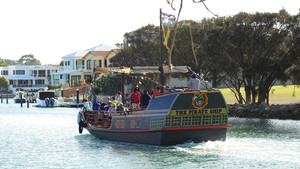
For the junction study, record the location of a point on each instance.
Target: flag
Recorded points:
(168, 21)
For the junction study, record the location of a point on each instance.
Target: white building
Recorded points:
(28, 77)
(79, 66)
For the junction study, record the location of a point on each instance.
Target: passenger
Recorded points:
(113, 100)
(145, 99)
(103, 107)
(167, 89)
(135, 98)
(86, 105)
(157, 91)
(96, 104)
(194, 83)
(120, 108)
(108, 100)
(113, 108)
(119, 97)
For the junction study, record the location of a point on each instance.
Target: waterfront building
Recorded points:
(28, 77)
(79, 66)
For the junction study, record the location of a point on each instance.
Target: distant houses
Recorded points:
(77, 68)
(28, 77)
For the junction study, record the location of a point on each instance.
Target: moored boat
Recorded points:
(47, 99)
(19, 98)
(169, 119)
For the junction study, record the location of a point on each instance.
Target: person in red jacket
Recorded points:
(157, 91)
(135, 99)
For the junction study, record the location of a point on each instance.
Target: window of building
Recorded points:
(76, 80)
(18, 72)
(4, 72)
(88, 65)
(39, 82)
(100, 63)
(42, 73)
(105, 63)
(95, 63)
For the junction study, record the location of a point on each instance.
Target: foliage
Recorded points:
(2, 63)
(4, 82)
(55, 86)
(10, 62)
(29, 60)
(107, 85)
(250, 50)
(140, 48)
(24, 60)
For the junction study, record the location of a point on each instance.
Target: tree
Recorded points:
(2, 63)
(141, 48)
(4, 82)
(107, 85)
(10, 62)
(29, 60)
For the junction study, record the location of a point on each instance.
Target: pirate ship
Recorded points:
(169, 119)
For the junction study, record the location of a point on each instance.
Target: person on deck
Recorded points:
(119, 97)
(194, 83)
(157, 91)
(136, 98)
(96, 104)
(113, 100)
(145, 99)
(86, 105)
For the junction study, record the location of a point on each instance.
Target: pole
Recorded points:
(7, 98)
(122, 86)
(27, 100)
(161, 69)
(21, 99)
(1, 97)
(77, 96)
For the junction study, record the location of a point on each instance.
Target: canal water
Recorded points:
(48, 138)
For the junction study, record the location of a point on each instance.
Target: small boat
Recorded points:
(169, 119)
(20, 97)
(47, 99)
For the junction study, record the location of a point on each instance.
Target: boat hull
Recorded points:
(163, 137)
(20, 100)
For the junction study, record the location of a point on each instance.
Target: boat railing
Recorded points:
(99, 118)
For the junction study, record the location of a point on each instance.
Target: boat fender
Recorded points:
(81, 123)
(52, 101)
(47, 102)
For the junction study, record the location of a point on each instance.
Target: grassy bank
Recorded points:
(278, 95)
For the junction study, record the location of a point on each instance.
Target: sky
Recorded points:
(51, 29)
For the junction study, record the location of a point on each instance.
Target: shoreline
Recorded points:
(262, 111)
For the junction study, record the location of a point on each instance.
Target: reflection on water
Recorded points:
(48, 138)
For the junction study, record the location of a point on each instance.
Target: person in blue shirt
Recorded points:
(96, 104)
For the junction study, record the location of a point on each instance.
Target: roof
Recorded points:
(101, 47)
(143, 69)
(155, 69)
(101, 53)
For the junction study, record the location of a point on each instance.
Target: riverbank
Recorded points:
(263, 111)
